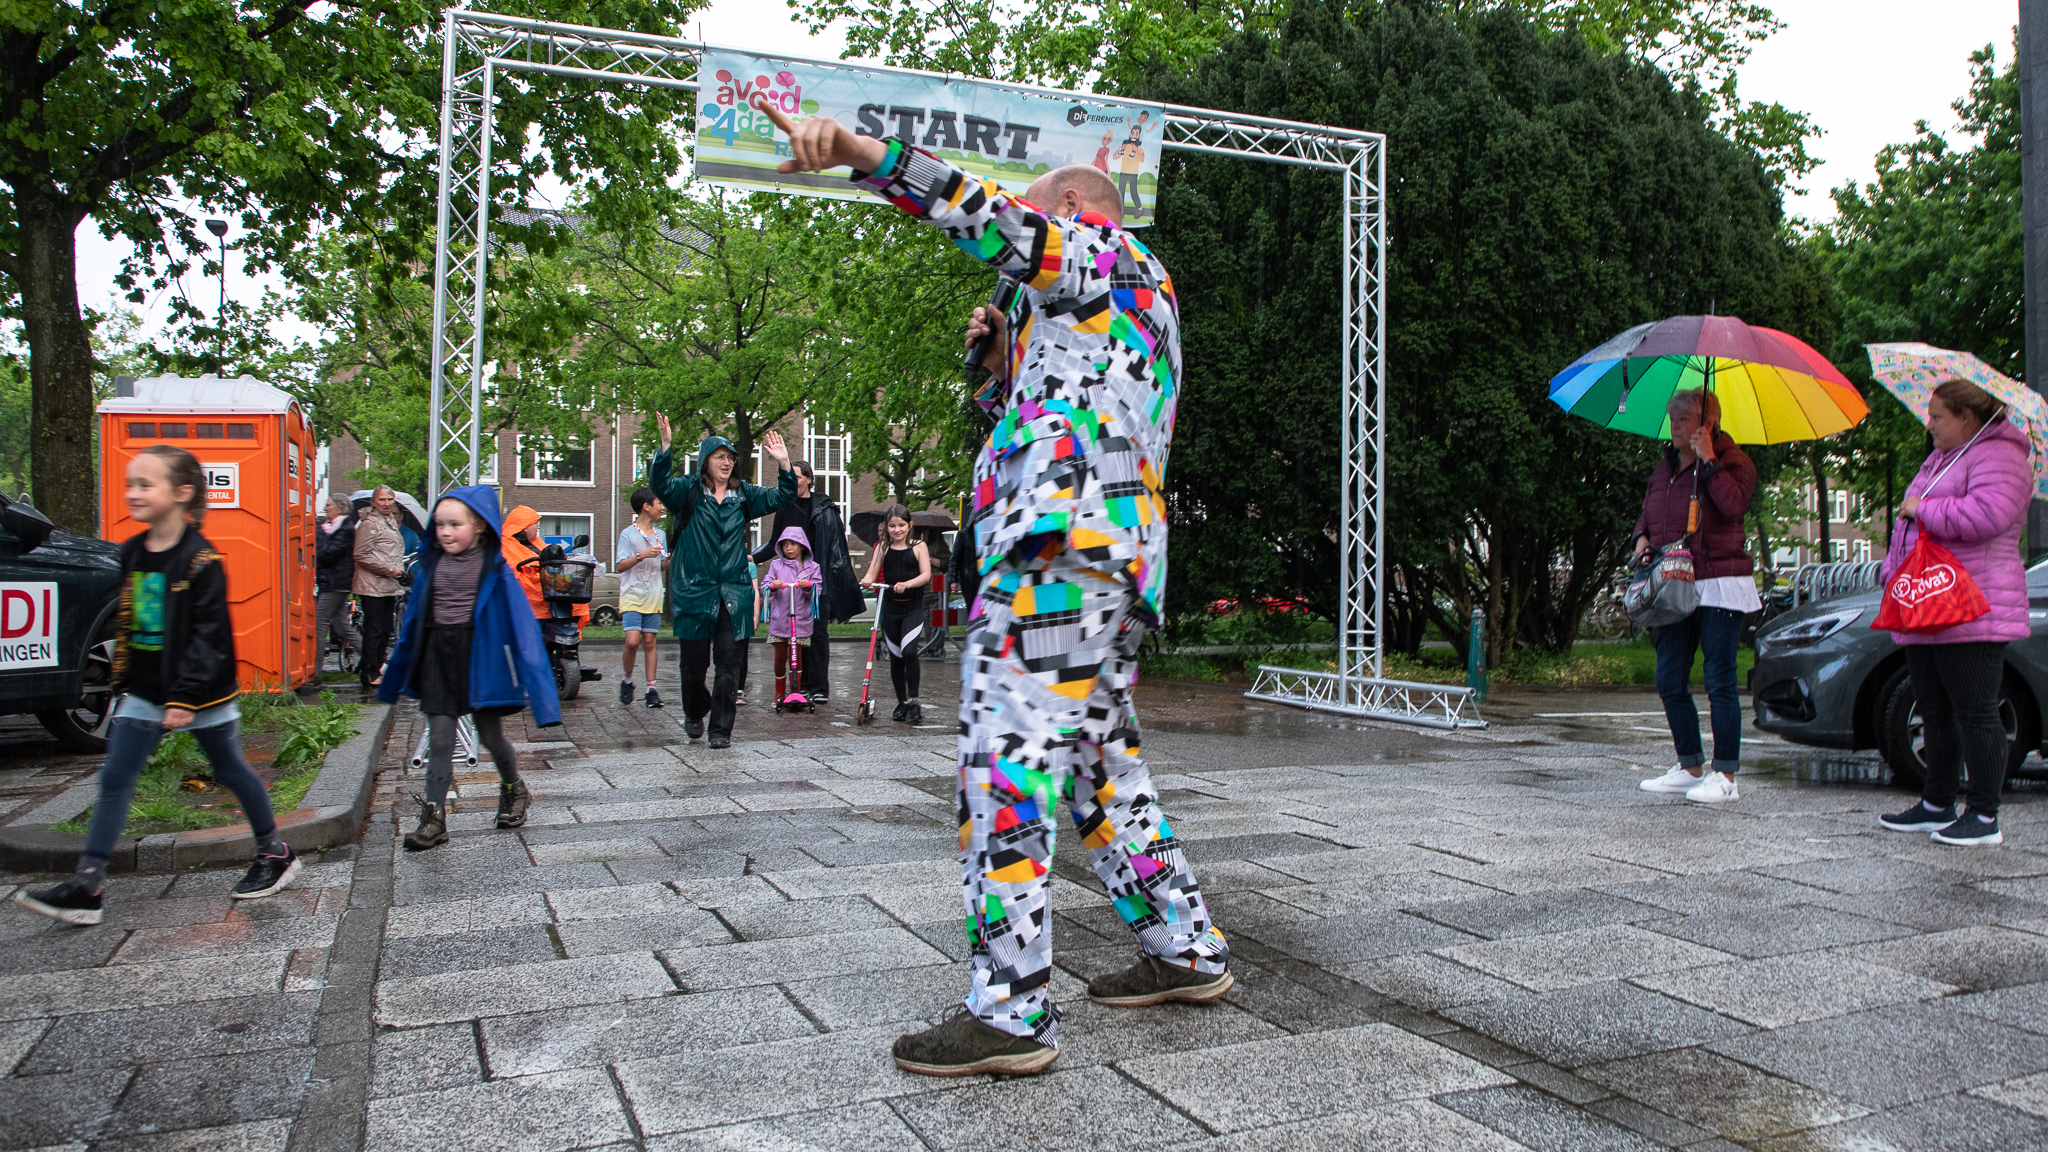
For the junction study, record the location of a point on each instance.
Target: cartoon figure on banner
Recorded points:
(1130, 156)
(1102, 153)
(731, 113)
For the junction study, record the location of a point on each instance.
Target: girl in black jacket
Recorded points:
(174, 666)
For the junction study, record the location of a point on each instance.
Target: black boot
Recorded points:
(513, 801)
(916, 712)
(902, 711)
(433, 829)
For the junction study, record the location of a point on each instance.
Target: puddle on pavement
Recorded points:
(1810, 769)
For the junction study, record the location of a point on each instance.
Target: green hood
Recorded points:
(712, 444)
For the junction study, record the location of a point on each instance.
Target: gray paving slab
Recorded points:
(873, 1127)
(451, 917)
(1405, 1126)
(212, 1091)
(1590, 1023)
(1890, 1057)
(1541, 1122)
(142, 1035)
(58, 1110)
(2022, 1006)
(253, 1136)
(1782, 990)
(1574, 871)
(558, 1110)
(1776, 931)
(1078, 1103)
(452, 996)
(829, 915)
(595, 1035)
(1426, 981)
(1361, 936)
(141, 985)
(1975, 958)
(755, 1081)
(1495, 917)
(41, 945)
(2028, 1094)
(899, 996)
(428, 1059)
(17, 1037)
(1238, 1087)
(1867, 873)
(688, 928)
(1556, 960)
(1951, 1124)
(799, 958)
(1940, 908)
(1715, 892)
(468, 951)
(1745, 1105)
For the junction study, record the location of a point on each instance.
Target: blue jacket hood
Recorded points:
(482, 500)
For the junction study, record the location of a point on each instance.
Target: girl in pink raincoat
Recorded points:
(790, 586)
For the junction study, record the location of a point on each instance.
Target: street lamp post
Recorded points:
(219, 228)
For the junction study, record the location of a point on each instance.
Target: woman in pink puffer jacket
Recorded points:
(1971, 498)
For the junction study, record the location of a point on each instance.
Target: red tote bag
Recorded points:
(1929, 593)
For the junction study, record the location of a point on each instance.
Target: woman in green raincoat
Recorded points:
(710, 596)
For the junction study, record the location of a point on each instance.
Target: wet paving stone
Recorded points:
(1477, 940)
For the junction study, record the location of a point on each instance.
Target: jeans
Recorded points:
(441, 731)
(332, 612)
(722, 651)
(1714, 631)
(129, 744)
(1957, 685)
(380, 618)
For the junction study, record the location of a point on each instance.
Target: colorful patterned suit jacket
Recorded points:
(1077, 461)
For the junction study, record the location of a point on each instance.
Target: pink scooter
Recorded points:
(794, 700)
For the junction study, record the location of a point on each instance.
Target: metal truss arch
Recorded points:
(476, 46)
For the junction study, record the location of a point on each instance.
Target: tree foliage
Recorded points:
(287, 117)
(1932, 251)
(1546, 196)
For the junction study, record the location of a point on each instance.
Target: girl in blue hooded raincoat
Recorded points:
(469, 646)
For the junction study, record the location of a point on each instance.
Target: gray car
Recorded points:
(1823, 677)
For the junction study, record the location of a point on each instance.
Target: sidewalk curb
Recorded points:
(331, 813)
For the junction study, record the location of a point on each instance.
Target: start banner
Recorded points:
(1002, 135)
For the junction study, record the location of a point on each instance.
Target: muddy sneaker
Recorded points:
(72, 900)
(267, 874)
(433, 829)
(1972, 831)
(653, 698)
(1154, 981)
(513, 801)
(961, 1045)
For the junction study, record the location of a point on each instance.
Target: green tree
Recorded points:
(1546, 197)
(1931, 251)
(284, 115)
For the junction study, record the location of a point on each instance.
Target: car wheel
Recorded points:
(83, 726)
(1904, 744)
(604, 616)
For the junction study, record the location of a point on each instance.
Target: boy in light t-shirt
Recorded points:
(641, 555)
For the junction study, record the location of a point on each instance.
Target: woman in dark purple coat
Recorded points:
(1703, 460)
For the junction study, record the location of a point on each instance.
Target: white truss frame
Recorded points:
(476, 46)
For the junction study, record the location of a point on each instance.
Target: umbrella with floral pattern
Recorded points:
(1912, 371)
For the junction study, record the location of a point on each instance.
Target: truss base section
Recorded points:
(1401, 701)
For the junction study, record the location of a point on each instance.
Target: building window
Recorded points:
(544, 460)
(827, 447)
(563, 528)
(1840, 500)
(1860, 551)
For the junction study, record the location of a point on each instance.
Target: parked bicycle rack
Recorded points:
(1812, 583)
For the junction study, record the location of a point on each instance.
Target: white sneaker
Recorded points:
(1676, 780)
(1713, 788)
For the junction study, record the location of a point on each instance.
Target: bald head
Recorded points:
(1077, 188)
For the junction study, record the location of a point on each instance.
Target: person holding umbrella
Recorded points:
(1700, 490)
(1677, 377)
(1970, 497)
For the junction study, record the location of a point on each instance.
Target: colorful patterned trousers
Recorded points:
(1046, 720)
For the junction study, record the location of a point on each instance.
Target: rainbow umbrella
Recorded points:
(1912, 372)
(1773, 387)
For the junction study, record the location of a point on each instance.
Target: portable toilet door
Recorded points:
(256, 447)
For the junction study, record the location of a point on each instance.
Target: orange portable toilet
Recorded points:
(257, 448)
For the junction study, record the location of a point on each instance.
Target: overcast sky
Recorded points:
(1865, 70)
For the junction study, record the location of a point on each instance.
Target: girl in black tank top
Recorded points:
(903, 570)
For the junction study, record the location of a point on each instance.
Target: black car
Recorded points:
(1824, 677)
(58, 593)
